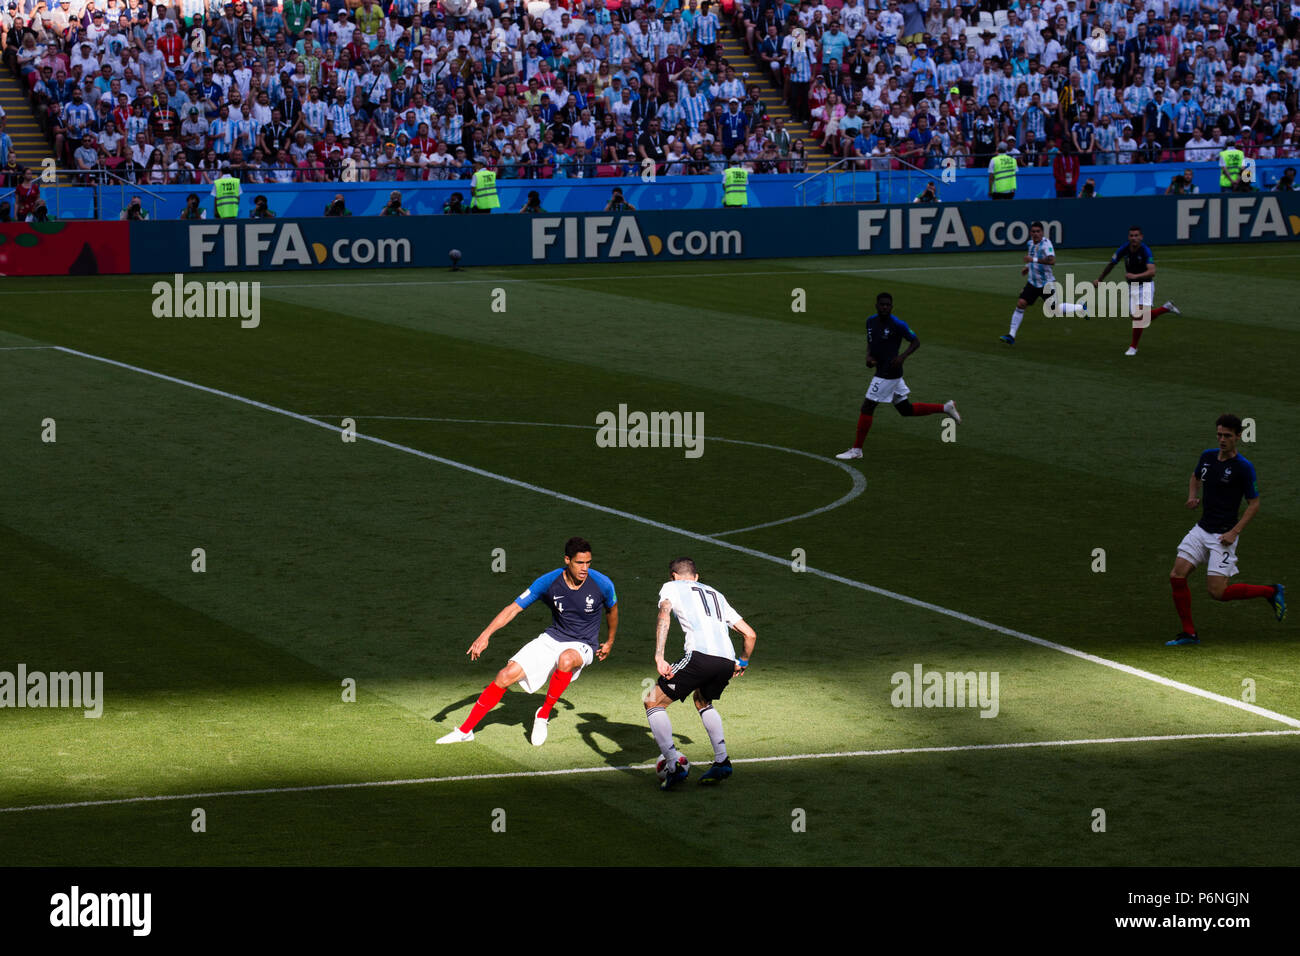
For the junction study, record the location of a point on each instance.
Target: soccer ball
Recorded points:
(456, 8)
(661, 771)
(1097, 43)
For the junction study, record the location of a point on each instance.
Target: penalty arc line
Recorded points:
(859, 480)
(572, 771)
(715, 541)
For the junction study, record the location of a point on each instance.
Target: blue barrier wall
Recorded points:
(669, 192)
(484, 240)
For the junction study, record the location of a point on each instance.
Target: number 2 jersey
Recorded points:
(575, 613)
(1223, 485)
(705, 617)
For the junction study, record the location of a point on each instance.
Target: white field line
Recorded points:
(25, 348)
(645, 276)
(715, 541)
(899, 751)
(859, 480)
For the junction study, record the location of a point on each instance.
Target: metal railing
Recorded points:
(107, 188)
(853, 180)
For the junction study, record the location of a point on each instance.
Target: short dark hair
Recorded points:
(575, 546)
(1134, 228)
(682, 566)
(882, 296)
(1036, 223)
(1230, 420)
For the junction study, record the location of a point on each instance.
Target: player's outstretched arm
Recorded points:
(504, 617)
(1193, 492)
(750, 636)
(661, 638)
(1106, 271)
(611, 621)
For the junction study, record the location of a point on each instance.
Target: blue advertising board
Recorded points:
(513, 239)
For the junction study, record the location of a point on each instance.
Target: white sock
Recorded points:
(1017, 317)
(662, 728)
(1068, 308)
(713, 725)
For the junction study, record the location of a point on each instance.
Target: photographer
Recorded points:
(394, 207)
(260, 210)
(192, 208)
(455, 206)
(134, 212)
(337, 207)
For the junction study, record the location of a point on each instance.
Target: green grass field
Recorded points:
(329, 560)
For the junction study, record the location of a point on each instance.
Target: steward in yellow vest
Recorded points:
(735, 186)
(1231, 162)
(483, 189)
(1002, 175)
(226, 190)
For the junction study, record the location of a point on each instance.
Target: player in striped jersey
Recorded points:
(1039, 259)
(576, 594)
(710, 663)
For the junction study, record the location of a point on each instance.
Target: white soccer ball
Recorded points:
(457, 8)
(1098, 43)
(662, 772)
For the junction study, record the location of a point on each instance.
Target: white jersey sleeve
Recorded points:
(705, 615)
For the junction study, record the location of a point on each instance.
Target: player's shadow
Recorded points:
(515, 708)
(620, 744)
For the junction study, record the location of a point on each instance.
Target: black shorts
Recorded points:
(1032, 294)
(703, 672)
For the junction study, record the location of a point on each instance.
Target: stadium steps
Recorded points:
(734, 51)
(30, 144)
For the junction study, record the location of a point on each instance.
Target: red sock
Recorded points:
(1183, 603)
(490, 697)
(1158, 311)
(864, 426)
(926, 408)
(1244, 592)
(559, 681)
(1137, 337)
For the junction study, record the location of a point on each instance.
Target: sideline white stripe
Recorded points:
(644, 766)
(859, 480)
(644, 276)
(26, 348)
(717, 542)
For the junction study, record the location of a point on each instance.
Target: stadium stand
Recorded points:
(349, 90)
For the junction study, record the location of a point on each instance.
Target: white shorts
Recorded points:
(1140, 296)
(1203, 547)
(890, 390)
(540, 656)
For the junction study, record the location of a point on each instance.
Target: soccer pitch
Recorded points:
(475, 398)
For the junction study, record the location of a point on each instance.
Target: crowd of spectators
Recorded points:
(1104, 81)
(417, 90)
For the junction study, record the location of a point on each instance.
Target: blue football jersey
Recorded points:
(575, 612)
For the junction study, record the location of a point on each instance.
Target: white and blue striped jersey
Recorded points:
(1040, 273)
(705, 616)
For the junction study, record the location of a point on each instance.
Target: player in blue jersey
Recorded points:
(1040, 283)
(1218, 483)
(1140, 271)
(885, 334)
(576, 595)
